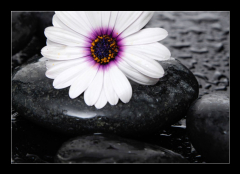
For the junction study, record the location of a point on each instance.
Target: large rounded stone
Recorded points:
(112, 149)
(208, 127)
(150, 109)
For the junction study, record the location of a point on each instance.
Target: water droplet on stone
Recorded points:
(217, 75)
(208, 66)
(224, 132)
(207, 86)
(180, 45)
(221, 88)
(198, 50)
(200, 75)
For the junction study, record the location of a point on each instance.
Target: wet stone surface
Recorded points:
(197, 38)
(33, 144)
(208, 127)
(28, 35)
(194, 30)
(103, 148)
(150, 109)
(23, 29)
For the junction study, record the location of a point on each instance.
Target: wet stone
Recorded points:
(103, 148)
(43, 20)
(208, 127)
(23, 28)
(34, 46)
(150, 109)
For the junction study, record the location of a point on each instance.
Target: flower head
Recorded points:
(95, 53)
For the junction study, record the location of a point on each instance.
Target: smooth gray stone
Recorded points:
(150, 109)
(207, 124)
(112, 149)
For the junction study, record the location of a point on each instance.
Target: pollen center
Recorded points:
(104, 49)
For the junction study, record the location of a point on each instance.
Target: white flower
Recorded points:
(95, 52)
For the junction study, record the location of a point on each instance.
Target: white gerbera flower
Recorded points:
(95, 52)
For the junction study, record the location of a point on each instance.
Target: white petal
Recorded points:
(155, 51)
(85, 21)
(50, 63)
(124, 19)
(138, 24)
(144, 36)
(76, 21)
(105, 21)
(94, 17)
(112, 21)
(67, 77)
(58, 23)
(54, 69)
(64, 52)
(148, 67)
(135, 75)
(102, 100)
(51, 43)
(120, 84)
(82, 82)
(111, 95)
(92, 93)
(65, 37)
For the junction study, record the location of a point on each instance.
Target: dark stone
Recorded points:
(44, 20)
(208, 127)
(23, 28)
(102, 148)
(150, 109)
(31, 143)
(32, 48)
